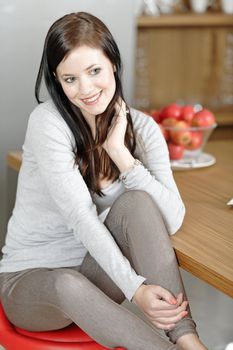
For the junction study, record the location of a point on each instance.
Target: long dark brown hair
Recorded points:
(67, 33)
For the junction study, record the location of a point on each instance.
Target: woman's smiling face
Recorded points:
(87, 78)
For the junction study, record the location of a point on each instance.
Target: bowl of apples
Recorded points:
(186, 130)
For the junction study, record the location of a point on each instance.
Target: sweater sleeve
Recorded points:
(50, 140)
(155, 176)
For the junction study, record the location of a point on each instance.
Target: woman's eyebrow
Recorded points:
(91, 66)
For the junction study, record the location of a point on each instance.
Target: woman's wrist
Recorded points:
(122, 158)
(138, 293)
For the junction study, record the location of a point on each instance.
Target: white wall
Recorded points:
(23, 26)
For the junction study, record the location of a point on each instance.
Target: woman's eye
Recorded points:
(95, 71)
(70, 80)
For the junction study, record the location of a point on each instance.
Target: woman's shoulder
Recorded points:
(147, 131)
(46, 109)
(46, 114)
(46, 119)
(142, 122)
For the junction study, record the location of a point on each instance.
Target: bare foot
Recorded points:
(190, 342)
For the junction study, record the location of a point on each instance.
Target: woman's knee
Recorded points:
(135, 217)
(134, 197)
(136, 205)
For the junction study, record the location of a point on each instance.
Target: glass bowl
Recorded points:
(186, 144)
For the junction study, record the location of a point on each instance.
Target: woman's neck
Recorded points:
(90, 119)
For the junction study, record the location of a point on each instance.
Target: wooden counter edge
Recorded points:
(202, 272)
(14, 160)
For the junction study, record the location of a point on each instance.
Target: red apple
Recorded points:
(169, 122)
(171, 111)
(181, 124)
(175, 151)
(196, 140)
(181, 135)
(155, 115)
(203, 118)
(187, 113)
(164, 132)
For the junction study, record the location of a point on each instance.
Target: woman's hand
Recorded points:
(115, 141)
(114, 144)
(160, 306)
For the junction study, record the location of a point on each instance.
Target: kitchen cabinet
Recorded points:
(186, 58)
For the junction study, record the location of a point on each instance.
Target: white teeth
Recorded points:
(92, 99)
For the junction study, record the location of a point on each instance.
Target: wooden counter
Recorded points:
(204, 244)
(14, 160)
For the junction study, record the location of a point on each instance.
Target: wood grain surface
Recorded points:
(204, 244)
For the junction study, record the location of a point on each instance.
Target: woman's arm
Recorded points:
(154, 175)
(50, 141)
(162, 308)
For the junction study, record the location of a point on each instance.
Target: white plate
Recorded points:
(202, 161)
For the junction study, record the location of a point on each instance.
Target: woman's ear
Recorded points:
(114, 68)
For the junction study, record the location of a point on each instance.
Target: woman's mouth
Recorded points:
(92, 100)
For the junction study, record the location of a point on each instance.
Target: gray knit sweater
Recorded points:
(56, 220)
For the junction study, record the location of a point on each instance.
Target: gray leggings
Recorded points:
(41, 299)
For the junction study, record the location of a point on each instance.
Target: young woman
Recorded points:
(96, 202)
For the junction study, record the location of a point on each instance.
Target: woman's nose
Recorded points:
(85, 87)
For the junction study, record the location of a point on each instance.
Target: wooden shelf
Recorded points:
(186, 57)
(224, 118)
(186, 20)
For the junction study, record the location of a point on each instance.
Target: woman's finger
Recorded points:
(120, 107)
(179, 298)
(172, 312)
(166, 295)
(165, 327)
(175, 319)
(159, 305)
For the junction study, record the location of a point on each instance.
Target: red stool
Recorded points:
(69, 338)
